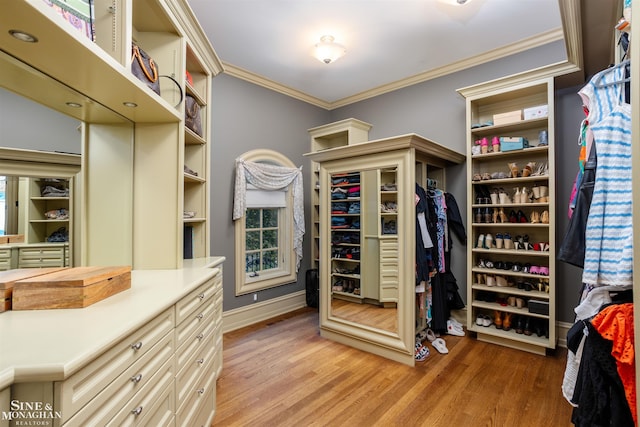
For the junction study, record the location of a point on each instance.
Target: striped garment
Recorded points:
(609, 231)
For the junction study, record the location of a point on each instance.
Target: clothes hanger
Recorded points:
(625, 63)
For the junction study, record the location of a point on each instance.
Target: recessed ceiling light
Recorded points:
(129, 104)
(23, 37)
(73, 104)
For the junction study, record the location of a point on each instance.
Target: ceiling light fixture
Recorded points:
(23, 37)
(73, 104)
(455, 2)
(328, 50)
(130, 104)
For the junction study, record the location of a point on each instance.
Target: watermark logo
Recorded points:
(24, 413)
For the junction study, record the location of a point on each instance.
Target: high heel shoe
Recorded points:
(488, 215)
(502, 215)
(544, 218)
(525, 196)
(535, 217)
(513, 218)
(503, 197)
(499, 241)
(528, 169)
(508, 243)
(522, 218)
(488, 241)
(516, 195)
(480, 243)
(480, 278)
(513, 167)
(494, 196)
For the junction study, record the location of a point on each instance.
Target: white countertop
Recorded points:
(51, 345)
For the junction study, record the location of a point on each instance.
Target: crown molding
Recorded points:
(259, 80)
(511, 49)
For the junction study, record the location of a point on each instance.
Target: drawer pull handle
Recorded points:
(137, 411)
(137, 378)
(200, 336)
(137, 346)
(200, 361)
(201, 296)
(201, 391)
(200, 316)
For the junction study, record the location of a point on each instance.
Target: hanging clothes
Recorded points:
(609, 230)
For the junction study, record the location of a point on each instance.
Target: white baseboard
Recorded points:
(254, 313)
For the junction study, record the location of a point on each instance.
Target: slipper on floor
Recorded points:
(421, 336)
(431, 336)
(440, 345)
(421, 353)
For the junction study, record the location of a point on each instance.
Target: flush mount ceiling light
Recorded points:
(73, 104)
(455, 2)
(130, 104)
(23, 37)
(328, 50)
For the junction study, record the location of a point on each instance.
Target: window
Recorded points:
(262, 240)
(265, 228)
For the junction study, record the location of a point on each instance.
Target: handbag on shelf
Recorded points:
(145, 68)
(192, 114)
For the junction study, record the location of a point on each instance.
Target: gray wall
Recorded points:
(244, 117)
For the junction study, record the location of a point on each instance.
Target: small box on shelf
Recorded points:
(512, 143)
(536, 112)
(506, 118)
(539, 307)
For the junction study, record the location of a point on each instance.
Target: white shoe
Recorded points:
(453, 329)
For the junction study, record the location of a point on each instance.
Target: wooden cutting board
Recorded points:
(75, 287)
(9, 277)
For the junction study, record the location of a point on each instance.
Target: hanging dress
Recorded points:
(609, 230)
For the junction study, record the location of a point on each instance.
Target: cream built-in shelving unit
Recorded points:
(139, 217)
(338, 134)
(131, 196)
(512, 282)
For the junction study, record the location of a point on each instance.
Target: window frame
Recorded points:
(244, 283)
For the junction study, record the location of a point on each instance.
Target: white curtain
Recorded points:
(271, 177)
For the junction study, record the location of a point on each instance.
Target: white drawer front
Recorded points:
(194, 301)
(80, 388)
(154, 404)
(188, 379)
(200, 398)
(5, 253)
(189, 326)
(117, 395)
(192, 346)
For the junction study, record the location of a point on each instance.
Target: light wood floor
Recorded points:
(282, 373)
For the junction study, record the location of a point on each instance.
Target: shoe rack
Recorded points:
(48, 209)
(326, 137)
(511, 253)
(345, 236)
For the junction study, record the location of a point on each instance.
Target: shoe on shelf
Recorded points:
(508, 243)
(499, 241)
(515, 172)
(497, 319)
(528, 169)
(488, 242)
(535, 217)
(544, 218)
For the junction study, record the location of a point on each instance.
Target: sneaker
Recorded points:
(453, 329)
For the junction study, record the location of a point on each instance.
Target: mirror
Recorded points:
(363, 300)
(364, 264)
(42, 131)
